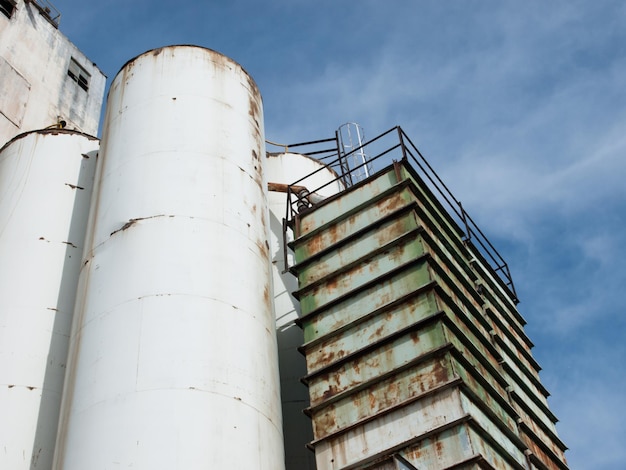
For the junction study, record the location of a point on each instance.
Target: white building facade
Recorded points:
(46, 81)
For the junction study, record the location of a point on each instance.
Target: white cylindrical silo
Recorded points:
(283, 169)
(46, 179)
(173, 352)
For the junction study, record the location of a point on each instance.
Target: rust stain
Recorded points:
(332, 285)
(331, 391)
(439, 448)
(326, 357)
(132, 222)
(325, 423)
(264, 248)
(440, 372)
(266, 296)
(415, 337)
(378, 333)
(371, 400)
(253, 111)
(127, 225)
(374, 362)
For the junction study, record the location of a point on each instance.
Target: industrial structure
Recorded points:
(172, 295)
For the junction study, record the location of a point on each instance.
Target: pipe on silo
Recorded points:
(46, 179)
(173, 358)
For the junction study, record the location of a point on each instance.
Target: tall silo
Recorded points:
(173, 358)
(46, 179)
(282, 170)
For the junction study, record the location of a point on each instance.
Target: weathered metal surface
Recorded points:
(545, 455)
(423, 375)
(463, 280)
(532, 402)
(499, 294)
(547, 436)
(397, 390)
(390, 430)
(476, 384)
(460, 443)
(505, 438)
(428, 415)
(372, 364)
(393, 308)
(349, 201)
(36, 89)
(542, 444)
(347, 221)
(375, 236)
(403, 281)
(334, 347)
(529, 411)
(449, 236)
(529, 381)
(504, 341)
(508, 324)
(326, 350)
(172, 364)
(476, 356)
(362, 271)
(46, 179)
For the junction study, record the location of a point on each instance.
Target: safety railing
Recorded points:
(394, 145)
(48, 11)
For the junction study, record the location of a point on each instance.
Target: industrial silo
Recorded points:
(313, 176)
(173, 350)
(46, 179)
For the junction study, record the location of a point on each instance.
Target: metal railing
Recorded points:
(394, 145)
(48, 11)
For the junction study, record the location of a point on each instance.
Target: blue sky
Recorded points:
(520, 107)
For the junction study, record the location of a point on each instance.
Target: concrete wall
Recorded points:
(36, 88)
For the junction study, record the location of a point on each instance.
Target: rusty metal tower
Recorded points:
(415, 350)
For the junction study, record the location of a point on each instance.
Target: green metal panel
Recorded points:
(455, 445)
(351, 250)
(403, 281)
(359, 273)
(374, 327)
(358, 369)
(349, 201)
(407, 384)
(346, 224)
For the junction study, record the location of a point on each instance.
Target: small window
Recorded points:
(78, 74)
(7, 7)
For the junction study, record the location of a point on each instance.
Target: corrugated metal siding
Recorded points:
(411, 345)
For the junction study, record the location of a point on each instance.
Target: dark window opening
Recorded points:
(7, 7)
(78, 74)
